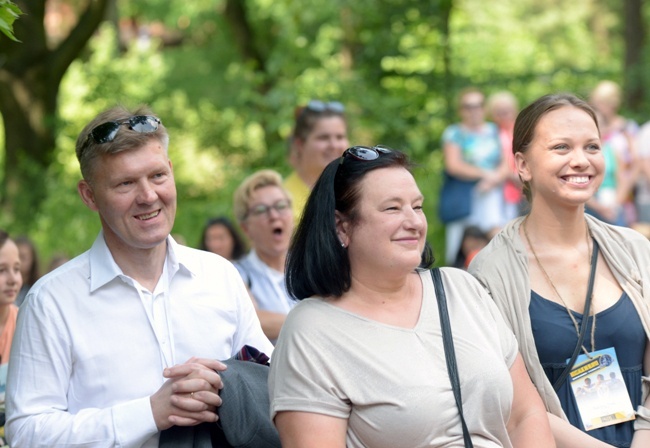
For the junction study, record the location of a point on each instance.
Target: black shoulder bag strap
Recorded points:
(585, 319)
(450, 354)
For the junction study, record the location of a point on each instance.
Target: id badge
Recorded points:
(599, 389)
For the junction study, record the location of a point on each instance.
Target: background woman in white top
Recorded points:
(263, 209)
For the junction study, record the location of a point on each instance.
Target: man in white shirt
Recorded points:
(122, 342)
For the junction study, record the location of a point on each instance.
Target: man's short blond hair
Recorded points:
(88, 150)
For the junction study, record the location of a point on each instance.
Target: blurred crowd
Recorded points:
(479, 149)
(346, 231)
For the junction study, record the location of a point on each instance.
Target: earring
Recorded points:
(343, 245)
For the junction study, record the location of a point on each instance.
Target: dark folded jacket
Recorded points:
(244, 420)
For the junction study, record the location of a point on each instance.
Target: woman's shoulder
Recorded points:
(450, 273)
(246, 268)
(451, 131)
(310, 313)
(626, 245)
(491, 128)
(609, 233)
(499, 253)
(633, 237)
(455, 279)
(316, 324)
(466, 296)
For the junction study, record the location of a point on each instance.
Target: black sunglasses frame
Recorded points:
(365, 153)
(106, 132)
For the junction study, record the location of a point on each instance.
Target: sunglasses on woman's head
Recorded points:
(106, 132)
(321, 106)
(365, 152)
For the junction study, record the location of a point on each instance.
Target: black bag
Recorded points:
(455, 201)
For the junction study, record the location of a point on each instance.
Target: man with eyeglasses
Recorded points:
(122, 342)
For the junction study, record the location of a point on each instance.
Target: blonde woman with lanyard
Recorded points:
(538, 270)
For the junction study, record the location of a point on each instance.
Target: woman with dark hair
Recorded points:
(10, 282)
(360, 360)
(29, 265)
(320, 135)
(220, 237)
(572, 287)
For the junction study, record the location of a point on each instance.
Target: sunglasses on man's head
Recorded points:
(365, 152)
(321, 106)
(106, 132)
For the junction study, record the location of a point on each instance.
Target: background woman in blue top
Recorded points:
(472, 151)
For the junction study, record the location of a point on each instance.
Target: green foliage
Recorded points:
(531, 49)
(229, 115)
(9, 12)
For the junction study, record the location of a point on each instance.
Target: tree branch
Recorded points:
(71, 46)
(237, 16)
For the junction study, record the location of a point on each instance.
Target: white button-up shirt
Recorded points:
(91, 344)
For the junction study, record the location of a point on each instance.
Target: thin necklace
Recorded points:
(548, 279)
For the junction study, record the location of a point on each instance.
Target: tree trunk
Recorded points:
(30, 76)
(28, 107)
(237, 16)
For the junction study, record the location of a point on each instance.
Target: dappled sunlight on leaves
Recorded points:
(229, 114)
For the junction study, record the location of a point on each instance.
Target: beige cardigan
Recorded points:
(502, 268)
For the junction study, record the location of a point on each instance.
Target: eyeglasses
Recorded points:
(321, 106)
(365, 152)
(282, 206)
(106, 132)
